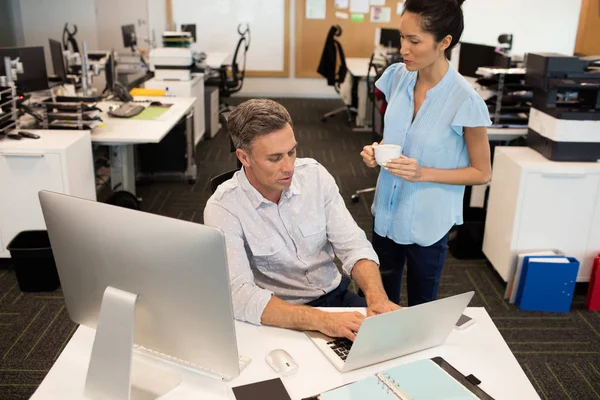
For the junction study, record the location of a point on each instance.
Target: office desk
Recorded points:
(122, 133)
(479, 350)
(216, 59)
(358, 69)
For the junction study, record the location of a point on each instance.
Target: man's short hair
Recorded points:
(253, 118)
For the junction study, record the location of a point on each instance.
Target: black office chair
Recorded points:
(377, 69)
(217, 180)
(230, 78)
(335, 76)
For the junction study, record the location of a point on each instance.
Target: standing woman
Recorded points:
(440, 122)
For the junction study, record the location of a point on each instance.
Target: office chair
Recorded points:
(371, 79)
(230, 78)
(327, 68)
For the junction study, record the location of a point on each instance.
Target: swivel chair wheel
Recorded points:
(192, 181)
(355, 198)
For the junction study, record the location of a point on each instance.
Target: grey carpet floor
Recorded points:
(560, 353)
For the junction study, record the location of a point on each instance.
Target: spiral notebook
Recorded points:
(424, 379)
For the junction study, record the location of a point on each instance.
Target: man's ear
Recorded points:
(243, 156)
(445, 43)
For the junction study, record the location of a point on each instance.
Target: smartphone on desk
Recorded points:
(464, 322)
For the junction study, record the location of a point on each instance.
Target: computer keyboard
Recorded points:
(341, 347)
(242, 361)
(126, 110)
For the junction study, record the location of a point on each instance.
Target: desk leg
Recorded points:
(363, 115)
(122, 168)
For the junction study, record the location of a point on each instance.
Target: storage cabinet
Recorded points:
(191, 88)
(536, 204)
(60, 161)
(211, 110)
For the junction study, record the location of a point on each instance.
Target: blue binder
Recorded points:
(547, 286)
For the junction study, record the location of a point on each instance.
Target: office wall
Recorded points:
(112, 14)
(11, 26)
(216, 25)
(43, 19)
(537, 25)
(157, 19)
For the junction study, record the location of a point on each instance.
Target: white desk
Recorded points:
(479, 350)
(216, 59)
(122, 133)
(358, 68)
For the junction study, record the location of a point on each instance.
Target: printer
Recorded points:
(172, 63)
(564, 121)
(175, 60)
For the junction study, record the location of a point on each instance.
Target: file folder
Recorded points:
(592, 300)
(547, 285)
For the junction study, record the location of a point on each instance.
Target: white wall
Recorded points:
(537, 25)
(112, 14)
(216, 27)
(44, 19)
(157, 19)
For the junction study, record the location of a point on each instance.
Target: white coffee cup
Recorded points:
(385, 152)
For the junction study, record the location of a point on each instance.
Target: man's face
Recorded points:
(270, 163)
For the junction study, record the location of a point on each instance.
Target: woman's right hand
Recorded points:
(368, 155)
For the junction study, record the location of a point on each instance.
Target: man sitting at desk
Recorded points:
(283, 218)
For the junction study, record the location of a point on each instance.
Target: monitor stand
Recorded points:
(110, 373)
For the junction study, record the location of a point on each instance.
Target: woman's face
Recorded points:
(419, 49)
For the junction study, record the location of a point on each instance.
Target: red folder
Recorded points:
(592, 301)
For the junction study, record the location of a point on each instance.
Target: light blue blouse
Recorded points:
(423, 212)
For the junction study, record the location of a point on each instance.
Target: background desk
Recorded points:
(122, 133)
(59, 160)
(216, 59)
(479, 350)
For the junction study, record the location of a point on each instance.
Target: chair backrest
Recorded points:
(237, 74)
(217, 180)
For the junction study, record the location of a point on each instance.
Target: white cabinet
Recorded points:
(536, 204)
(191, 88)
(60, 161)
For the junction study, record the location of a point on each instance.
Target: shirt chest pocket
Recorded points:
(314, 235)
(267, 254)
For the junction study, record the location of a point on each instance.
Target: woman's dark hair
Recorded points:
(440, 18)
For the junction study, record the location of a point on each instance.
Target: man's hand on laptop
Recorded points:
(341, 324)
(381, 306)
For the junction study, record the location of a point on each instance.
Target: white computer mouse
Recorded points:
(281, 362)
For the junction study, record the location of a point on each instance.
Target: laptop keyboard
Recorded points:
(341, 347)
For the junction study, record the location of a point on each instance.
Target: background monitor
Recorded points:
(34, 76)
(501, 60)
(177, 268)
(472, 56)
(191, 28)
(390, 38)
(58, 59)
(129, 38)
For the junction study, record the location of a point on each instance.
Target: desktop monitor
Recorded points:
(389, 38)
(177, 269)
(58, 59)
(501, 60)
(472, 56)
(34, 76)
(129, 38)
(191, 28)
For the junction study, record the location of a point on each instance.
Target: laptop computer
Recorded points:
(394, 334)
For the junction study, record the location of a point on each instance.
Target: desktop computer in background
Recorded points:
(121, 268)
(33, 77)
(472, 56)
